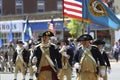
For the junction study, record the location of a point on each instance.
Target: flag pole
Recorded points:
(23, 24)
(82, 26)
(24, 28)
(63, 30)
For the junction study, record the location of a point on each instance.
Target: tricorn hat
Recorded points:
(99, 42)
(48, 33)
(65, 41)
(85, 37)
(20, 42)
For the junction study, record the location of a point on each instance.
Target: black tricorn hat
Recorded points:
(48, 33)
(85, 37)
(98, 42)
(20, 42)
(65, 40)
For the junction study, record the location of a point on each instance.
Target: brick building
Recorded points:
(15, 7)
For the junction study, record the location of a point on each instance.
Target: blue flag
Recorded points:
(27, 31)
(10, 37)
(97, 12)
(0, 43)
(0, 39)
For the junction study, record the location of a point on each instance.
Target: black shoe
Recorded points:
(30, 79)
(9, 69)
(15, 79)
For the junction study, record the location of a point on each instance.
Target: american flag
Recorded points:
(51, 27)
(73, 8)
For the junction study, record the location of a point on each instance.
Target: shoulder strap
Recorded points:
(87, 53)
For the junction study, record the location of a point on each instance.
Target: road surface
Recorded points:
(114, 75)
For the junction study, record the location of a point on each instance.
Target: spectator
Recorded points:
(116, 51)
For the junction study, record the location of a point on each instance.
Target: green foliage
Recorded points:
(75, 27)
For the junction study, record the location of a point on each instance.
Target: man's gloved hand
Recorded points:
(34, 60)
(59, 73)
(109, 70)
(77, 66)
(66, 55)
(102, 73)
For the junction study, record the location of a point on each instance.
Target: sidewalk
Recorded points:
(115, 67)
(113, 60)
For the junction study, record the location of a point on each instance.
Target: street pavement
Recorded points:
(115, 71)
(113, 75)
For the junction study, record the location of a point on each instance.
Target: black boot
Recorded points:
(0, 69)
(9, 69)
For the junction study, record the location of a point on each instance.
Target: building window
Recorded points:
(40, 5)
(19, 6)
(0, 7)
(59, 5)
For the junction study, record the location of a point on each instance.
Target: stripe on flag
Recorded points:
(51, 27)
(73, 8)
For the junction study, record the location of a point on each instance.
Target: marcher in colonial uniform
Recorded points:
(10, 52)
(20, 59)
(88, 64)
(67, 58)
(99, 44)
(46, 56)
(1, 60)
(30, 65)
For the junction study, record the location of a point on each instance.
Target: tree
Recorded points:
(75, 28)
